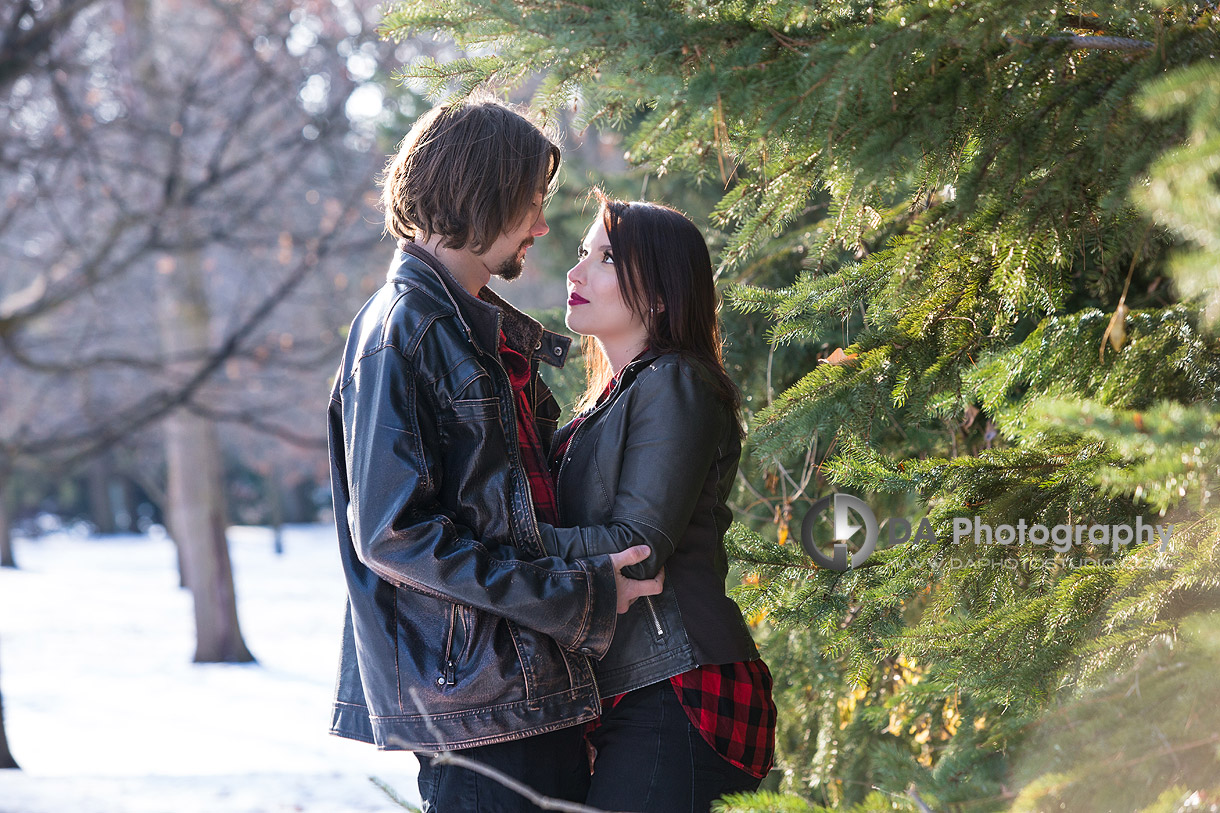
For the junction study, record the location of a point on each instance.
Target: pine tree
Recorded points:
(1005, 218)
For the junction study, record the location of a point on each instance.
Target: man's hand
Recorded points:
(630, 589)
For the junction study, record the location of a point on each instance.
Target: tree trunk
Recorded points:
(275, 500)
(101, 506)
(196, 501)
(6, 528)
(6, 757)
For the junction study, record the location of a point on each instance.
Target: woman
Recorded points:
(651, 458)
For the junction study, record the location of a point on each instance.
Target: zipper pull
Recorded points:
(450, 672)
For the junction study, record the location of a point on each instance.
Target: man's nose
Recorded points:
(540, 227)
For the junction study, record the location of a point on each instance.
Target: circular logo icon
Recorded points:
(843, 505)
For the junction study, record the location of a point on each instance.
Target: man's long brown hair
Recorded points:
(467, 172)
(665, 275)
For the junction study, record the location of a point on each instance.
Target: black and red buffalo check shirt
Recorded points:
(729, 704)
(533, 456)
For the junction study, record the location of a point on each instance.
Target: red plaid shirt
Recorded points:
(729, 704)
(533, 456)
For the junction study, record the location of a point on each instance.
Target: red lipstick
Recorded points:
(577, 299)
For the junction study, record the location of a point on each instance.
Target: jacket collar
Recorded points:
(635, 365)
(483, 316)
(625, 377)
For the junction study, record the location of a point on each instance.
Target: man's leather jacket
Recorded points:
(654, 464)
(460, 630)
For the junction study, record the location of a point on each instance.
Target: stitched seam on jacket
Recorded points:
(407, 352)
(712, 510)
(586, 618)
(645, 521)
(560, 695)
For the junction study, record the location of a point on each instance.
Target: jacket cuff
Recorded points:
(603, 607)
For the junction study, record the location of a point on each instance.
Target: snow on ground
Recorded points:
(106, 713)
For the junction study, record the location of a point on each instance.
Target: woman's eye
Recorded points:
(581, 253)
(607, 257)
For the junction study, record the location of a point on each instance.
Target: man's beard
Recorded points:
(511, 268)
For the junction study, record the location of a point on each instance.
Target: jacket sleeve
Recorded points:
(402, 534)
(674, 425)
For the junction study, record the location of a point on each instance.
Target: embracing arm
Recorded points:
(674, 425)
(402, 534)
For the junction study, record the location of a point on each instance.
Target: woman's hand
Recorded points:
(630, 589)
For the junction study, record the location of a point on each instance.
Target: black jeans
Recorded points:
(651, 759)
(554, 764)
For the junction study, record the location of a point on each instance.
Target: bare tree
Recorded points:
(133, 136)
(186, 186)
(196, 504)
(6, 536)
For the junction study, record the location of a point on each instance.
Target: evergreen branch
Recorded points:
(1095, 43)
(953, 202)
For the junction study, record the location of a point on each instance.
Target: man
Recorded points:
(460, 633)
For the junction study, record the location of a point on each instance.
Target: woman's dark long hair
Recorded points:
(664, 275)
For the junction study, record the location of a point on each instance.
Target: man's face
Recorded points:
(506, 256)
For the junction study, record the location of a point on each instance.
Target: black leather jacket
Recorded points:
(460, 631)
(654, 464)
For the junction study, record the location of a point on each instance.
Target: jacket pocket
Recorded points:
(654, 618)
(527, 671)
(448, 665)
(477, 409)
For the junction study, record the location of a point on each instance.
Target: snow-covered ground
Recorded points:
(105, 711)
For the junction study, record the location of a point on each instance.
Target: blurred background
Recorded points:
(188, 223)
(970, 256)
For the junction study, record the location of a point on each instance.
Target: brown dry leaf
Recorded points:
(839, 357)
(1116, 331)
(971, 413)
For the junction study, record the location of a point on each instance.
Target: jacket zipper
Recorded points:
(575, 434)
(449, 675)
(516, 442)
(655, 618)
(568, 456)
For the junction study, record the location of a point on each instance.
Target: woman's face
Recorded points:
(595, 305)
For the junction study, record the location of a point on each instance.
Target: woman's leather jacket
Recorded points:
(653, 464)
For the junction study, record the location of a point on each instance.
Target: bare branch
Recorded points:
(19, 49)
(520, 788)
(255, 419)
(89, 441)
